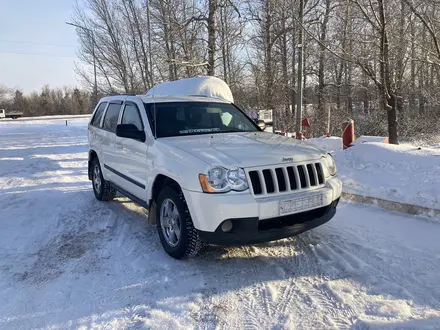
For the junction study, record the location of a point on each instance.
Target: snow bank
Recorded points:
(206, 86)
(404, 173)
(327, 143)
(369, 139)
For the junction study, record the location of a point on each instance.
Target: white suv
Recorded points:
(208, 173)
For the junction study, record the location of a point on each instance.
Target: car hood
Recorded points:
(247, 149)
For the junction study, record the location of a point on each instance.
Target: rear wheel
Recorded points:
(102, 188)
(176, 230)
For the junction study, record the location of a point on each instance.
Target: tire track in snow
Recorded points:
(292, 248)
(278, 298)
(304, 281)
(385, 275)
(397, 266)
(254, 307)
(313, 284)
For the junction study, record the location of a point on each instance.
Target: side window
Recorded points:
(111, 117)
(98, 114)
(131, 116)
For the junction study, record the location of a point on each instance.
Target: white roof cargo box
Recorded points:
(198, 86)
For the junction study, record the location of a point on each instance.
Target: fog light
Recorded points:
(227, 226)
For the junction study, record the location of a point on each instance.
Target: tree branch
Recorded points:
(427, 25)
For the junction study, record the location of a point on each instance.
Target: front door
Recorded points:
(131, 155)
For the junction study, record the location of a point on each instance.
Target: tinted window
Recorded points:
(191, 118)
(111, 117)
(131, 116)
(98, 114)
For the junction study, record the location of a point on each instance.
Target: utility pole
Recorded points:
(299, 95)
(92, 35)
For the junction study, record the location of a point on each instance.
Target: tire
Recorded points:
(188, 244)
(103, 191)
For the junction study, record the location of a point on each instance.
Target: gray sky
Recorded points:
(36, 46)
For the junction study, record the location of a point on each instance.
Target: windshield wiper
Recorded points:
(232, 131)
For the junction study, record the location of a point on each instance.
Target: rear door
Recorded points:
(95, 129)
(111, 119)
(131, 154)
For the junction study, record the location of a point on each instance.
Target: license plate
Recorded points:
(299, 204)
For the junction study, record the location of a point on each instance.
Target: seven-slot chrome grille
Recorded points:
(285, 178)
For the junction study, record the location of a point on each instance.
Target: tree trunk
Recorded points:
(268, 56)
(223, 44)
(322, 102)
(392, 120)
(285, 85)
(400, 68)
(388, 94)
(412, 96)
(211, 37)
(293, 64)
(166, 24)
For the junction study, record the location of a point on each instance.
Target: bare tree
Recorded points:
(375, 61)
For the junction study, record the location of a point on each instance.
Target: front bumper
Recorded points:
(252, 230)
(208, 211)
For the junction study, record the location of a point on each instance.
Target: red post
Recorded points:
(348, 133)
(306, 128)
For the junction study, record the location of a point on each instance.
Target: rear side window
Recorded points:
(98, 114)
(111, 117)
(131, 116)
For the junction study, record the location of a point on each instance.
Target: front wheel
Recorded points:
(176, 230)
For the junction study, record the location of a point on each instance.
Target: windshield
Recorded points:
(192, 118)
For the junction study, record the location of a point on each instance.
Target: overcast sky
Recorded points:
(36, 46)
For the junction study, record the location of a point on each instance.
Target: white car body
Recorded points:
(133, 167)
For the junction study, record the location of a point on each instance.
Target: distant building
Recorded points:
(266, 115)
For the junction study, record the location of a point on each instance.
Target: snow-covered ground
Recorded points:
(403, 173)
(330, 144)
(45, 118)
(69, 261)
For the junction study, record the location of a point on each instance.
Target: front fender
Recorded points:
(176, 164)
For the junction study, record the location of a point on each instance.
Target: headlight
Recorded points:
(220, 180)
(330, 166)
(237, 179)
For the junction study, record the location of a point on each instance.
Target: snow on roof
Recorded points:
(198, 86)
(168, 99)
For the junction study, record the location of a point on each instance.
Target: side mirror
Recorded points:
(261, 124)
(130, 131)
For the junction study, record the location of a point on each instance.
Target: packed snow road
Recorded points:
(69, 261)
